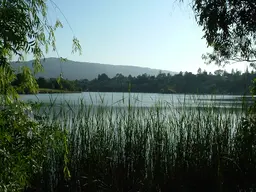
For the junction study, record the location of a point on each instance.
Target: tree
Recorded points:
(199, 71)
(103, 77)
(42, 82)
(24, 29)
(218, 72)
(24, 143)
(229, 27)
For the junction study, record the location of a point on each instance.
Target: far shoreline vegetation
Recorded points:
(45, 90)
(219, 82)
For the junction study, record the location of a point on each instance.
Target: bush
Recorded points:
(24, 147)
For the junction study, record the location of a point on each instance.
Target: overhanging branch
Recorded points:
(243, 60)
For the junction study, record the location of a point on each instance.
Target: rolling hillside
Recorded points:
(84, 70)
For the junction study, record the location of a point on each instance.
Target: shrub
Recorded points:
(24, 147)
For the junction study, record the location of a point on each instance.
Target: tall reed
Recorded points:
(160, 148)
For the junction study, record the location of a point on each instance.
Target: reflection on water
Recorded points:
(68, 108)
(139, 99)
(72, 116)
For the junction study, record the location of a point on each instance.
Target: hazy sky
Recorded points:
(158, 34)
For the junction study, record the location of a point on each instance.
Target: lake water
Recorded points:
(67, 107)
(137, 99)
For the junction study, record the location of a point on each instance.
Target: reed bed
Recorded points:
(159, 148)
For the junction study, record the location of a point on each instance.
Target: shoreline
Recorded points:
(50, 91)
(53, 91)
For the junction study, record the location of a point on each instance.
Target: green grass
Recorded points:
(162, 148)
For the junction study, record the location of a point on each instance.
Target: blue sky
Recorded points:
(158, 34)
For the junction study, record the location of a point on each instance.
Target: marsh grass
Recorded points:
(159, 148)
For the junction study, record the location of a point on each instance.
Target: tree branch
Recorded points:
(243, 60)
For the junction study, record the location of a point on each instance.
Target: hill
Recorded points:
(73, 70)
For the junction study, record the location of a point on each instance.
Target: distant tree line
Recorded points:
(219, 82)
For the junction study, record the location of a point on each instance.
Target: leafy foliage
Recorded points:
(24, 142)
(24, 29)
(229, 27)
(24, 146)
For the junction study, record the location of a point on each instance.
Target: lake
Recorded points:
(137, 99)
(172, 108)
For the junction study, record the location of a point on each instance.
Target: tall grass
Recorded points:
(160, 148)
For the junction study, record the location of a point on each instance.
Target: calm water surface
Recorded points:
(136, 99)
(67, 107)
